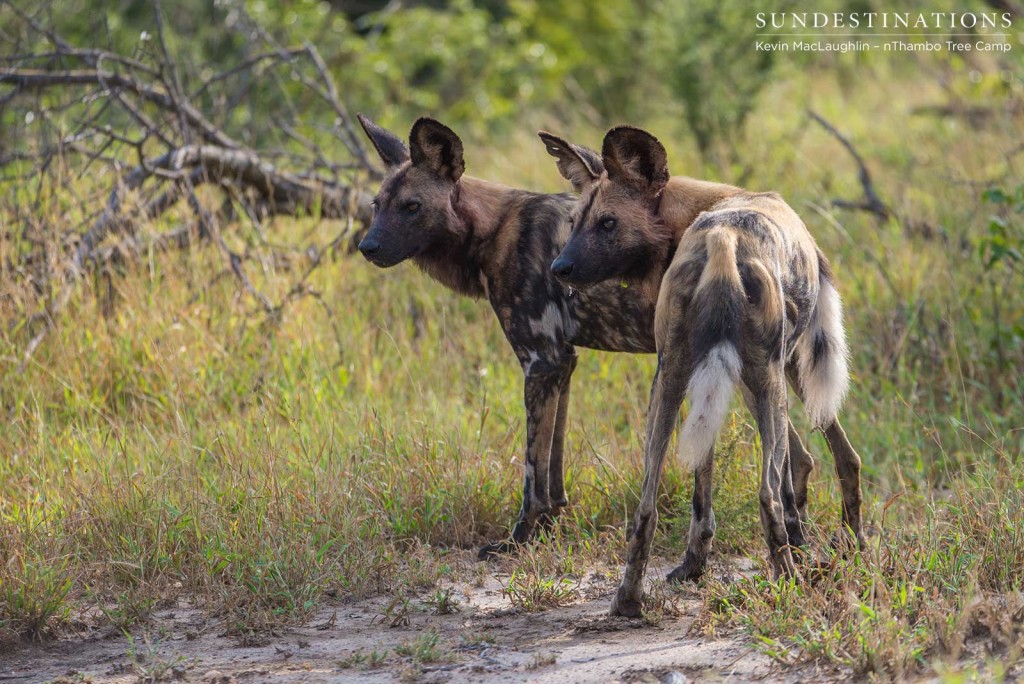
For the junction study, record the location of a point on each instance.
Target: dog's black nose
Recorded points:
(369, 246)
(561, 267)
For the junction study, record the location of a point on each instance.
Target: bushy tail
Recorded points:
(822, 357)
(717, 307)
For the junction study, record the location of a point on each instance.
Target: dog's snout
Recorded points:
(368, 246)
(561, 267)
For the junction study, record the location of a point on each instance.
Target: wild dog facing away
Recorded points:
(743, 296)
(488, 240)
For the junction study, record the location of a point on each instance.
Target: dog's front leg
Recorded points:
(541, 394)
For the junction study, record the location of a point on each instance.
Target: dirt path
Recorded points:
(484, 641)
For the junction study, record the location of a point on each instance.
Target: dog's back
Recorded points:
(750, 284)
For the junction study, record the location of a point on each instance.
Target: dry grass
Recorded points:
(941, 580)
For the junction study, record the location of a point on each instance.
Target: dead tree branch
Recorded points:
(871, 202)
(35, 79)
(153, 132)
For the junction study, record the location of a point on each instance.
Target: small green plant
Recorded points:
(376, 658)
(426, 648)
(658, 603)
(129, 609)
(442, 601)
(33, 593)
(533, 592)
(352, 660)
(396, 611)
(475, 640)
(363, 660)
(542, 660)
(151, 666)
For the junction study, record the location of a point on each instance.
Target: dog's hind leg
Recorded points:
(667, 394)
(847, 462)
(768, 388)
(702, 525)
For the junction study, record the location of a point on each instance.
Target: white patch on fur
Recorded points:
(534, 358)
(825, 384)
(550, 323)
(710, 390)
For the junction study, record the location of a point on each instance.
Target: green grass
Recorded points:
(186, 446)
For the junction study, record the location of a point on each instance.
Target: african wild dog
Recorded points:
(488, 240)
(743, 295)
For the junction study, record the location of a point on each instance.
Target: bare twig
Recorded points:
(36, 79)
(136, 121)
(247, 65)
(871, 202)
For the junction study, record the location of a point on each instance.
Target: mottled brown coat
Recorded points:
(744, 297)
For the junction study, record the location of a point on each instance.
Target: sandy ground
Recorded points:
(486, 640)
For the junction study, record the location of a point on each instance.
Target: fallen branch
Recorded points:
(871, 202)
(134, 118)
(37, 79)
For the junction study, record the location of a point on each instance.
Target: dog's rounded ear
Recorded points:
(635, 158)
(389, 146)
(577, 164)
(437, 148)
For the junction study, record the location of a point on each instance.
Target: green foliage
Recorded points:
(531, 592)
(442, 601)
(460, 61)
(424, 649)
(33, 592)
(717, 81)
(1004, 243)
(1001, 253)
(597, 55)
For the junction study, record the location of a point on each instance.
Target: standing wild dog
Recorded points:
(487, 240)
(743, 295)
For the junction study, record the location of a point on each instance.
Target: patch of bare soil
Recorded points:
(378, 640)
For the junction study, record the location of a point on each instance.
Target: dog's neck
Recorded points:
(683, 200)
(478, 213)
(680, 203)
(481, 207)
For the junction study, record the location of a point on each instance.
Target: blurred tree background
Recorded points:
(486, 65)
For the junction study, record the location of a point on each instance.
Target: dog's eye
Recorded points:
(374, 204)
(572, 221)
(412, 207)
(609, 223)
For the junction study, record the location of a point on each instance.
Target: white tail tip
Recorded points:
(710, 391)
(824, 375)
